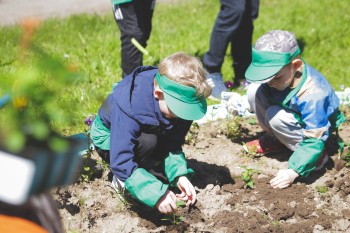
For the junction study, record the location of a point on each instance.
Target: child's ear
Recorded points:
(158, 93)
(297, 63)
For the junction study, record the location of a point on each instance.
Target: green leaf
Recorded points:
(322, 189)
(58, 144)
(180, 203)
(15, 141)
(40, 130)
(252, 121)
(250, 184)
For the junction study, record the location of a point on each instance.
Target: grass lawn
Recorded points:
(91, 43)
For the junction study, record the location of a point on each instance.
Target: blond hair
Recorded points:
(186, 70)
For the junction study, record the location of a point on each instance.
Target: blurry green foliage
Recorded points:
(35, 87)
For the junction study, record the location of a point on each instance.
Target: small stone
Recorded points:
(318, 228)
(210, 186)
(90, 203)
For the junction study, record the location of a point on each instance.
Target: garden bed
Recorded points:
(320, 203)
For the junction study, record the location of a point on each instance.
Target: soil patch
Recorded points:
(319, 203)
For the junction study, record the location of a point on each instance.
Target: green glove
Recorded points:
(304, 159)
(176, 166)
(145, 187)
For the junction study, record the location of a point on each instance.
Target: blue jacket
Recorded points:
(131, 109)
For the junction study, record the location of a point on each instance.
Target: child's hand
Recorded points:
(167, 203)
(188, 193)
(284, 178)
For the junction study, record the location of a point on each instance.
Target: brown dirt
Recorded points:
(224, 204)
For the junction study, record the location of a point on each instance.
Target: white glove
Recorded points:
(284, 178)
(235, 103)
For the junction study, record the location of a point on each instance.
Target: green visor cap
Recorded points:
(182, 100)
(266, 64)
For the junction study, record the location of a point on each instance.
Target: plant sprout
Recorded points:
(174, 218)
(322, 189)
(247, 176)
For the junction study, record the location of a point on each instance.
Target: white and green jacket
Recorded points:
(316, 107)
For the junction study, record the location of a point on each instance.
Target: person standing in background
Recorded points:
(234, 24)
(134, 19)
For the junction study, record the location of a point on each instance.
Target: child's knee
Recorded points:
(273, 116)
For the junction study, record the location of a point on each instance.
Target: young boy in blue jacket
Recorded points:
(144, 121)
(294, 104)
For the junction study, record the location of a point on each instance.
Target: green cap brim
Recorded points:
(258, 74)
(182, 100)
(266, 64)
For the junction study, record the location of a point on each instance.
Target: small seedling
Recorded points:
(192, 134)
(73, 231)
(104, 165)
(87, 172)
(234, 128)
(247, 176)
(252, 121)
(174, 218)
(346, 157)
(276, 223)
(231, 127)
(82, 201)
(322, 189)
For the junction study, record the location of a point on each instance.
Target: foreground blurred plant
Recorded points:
(34, 90)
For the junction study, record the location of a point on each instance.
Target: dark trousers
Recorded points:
(134, 20)
(148, 155)
(234, 24)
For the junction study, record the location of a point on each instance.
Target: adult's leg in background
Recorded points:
(241, 44)
(134, 20)
(227, 22)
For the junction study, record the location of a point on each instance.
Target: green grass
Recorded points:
(91, 42)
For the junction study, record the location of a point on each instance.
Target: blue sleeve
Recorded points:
(124, 134)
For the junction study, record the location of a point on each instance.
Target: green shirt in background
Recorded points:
(116, 2)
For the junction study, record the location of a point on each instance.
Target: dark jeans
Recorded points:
(134, 20)
(146, 155)
(234, 24)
